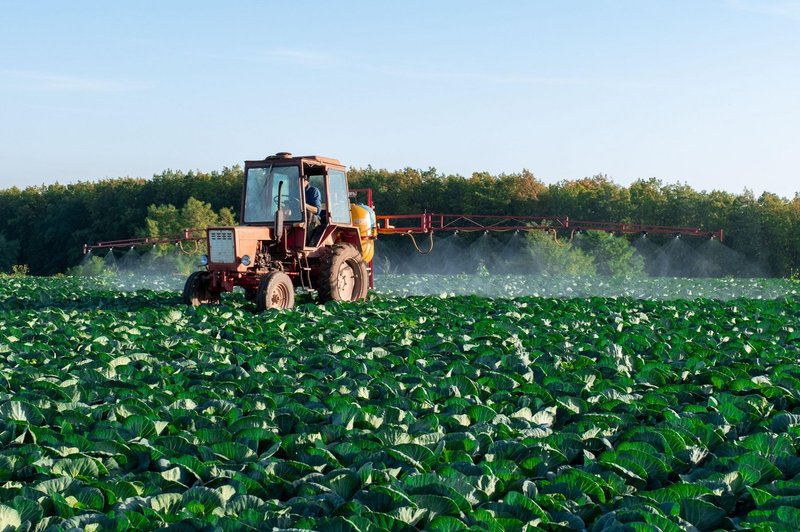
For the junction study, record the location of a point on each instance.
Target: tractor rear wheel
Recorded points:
(343, 275)
(275, 291)
(197, 290)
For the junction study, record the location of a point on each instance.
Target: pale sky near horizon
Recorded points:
(703, 92)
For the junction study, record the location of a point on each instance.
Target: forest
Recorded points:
(43, 229)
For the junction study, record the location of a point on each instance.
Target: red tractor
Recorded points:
(283, 242)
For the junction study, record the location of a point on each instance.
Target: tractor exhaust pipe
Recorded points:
(279, 214)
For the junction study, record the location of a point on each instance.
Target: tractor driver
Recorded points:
(313, 205)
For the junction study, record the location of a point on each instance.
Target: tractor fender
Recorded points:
(340, 235)
(349, 235)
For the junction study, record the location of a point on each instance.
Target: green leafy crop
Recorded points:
(128, 411)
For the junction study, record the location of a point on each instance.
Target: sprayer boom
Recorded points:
(430, 222)
(187, 236)
(425, 223)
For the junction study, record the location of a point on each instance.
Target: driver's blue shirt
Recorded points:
(314, 197)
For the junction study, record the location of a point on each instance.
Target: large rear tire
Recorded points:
(343, 275)
(275, 291)
(197, 290)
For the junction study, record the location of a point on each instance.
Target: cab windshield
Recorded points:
(261, 194)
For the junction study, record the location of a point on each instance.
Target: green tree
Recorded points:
(591, 198)
(522, 192)
(683, 206)
(396, 192)
(648, 204)
(168, 220)
(9, 250)
(779, 239)
(715, 209)
(612, 255)
(544, 254)
(744, 233)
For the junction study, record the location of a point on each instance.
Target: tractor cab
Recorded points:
(274, 195)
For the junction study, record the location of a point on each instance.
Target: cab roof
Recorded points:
(287, 158)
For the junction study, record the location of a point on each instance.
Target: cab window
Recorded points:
(262, 190)
(338, 203)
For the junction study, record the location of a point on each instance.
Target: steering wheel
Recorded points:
(287, 202)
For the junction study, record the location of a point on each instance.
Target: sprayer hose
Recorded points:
(414, 241)
(196, 247)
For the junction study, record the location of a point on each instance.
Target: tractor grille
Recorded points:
(221, 246)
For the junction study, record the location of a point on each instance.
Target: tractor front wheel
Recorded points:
(275, 291)
(197, 290)
(343, 275)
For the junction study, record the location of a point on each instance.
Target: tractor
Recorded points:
(279, 245)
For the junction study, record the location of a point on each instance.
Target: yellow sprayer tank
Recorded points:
(364, 218)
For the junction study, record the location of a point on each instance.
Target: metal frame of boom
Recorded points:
(188, 235)
(425, 223)
(435, 222)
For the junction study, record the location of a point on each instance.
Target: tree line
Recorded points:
(45, 227)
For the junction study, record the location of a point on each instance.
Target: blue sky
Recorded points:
(705, 92)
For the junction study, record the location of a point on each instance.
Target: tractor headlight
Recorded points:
(203, 260)
(246, 260)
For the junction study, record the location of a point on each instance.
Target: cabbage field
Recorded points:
(540, 404)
